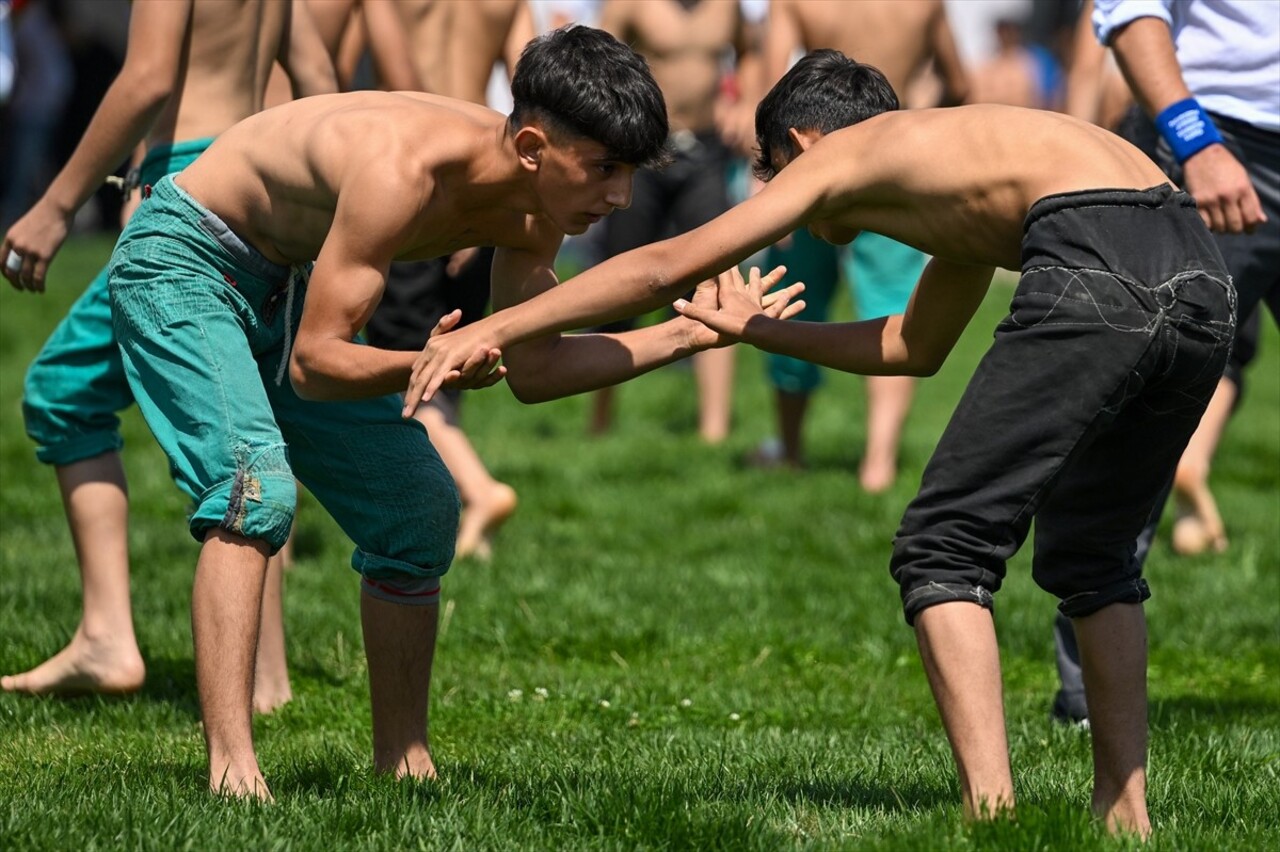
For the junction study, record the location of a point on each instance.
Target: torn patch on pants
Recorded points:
(246, 488)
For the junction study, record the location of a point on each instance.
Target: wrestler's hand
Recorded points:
(34, 239)
(737, 301)
(456, 358)
(1225, 196)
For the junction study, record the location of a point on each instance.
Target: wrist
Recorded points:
(1187, 128)
(688, 340)
(57, 202)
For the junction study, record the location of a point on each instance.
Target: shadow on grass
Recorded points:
(853, 792)
(863, 794)
(1194, 708)
(172, 680)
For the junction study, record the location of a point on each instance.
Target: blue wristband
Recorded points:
(1187, 128)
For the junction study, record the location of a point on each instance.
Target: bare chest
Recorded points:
(664, 28)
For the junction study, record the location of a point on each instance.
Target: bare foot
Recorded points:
(416, 764)
(481, 520)
(246, 784)
(1124, 820)
(271, 694)
(108, 666)
(876, 477)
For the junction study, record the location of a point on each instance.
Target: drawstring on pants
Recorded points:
(295, 273)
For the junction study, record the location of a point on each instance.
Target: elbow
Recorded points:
(526, 388)
(150, 88)
(304, 377)
(925, 365)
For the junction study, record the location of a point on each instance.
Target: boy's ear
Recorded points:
(530, 142)
(802, 140)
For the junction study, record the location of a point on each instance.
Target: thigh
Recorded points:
(188, 359)
(377, 474)
(1056, 373)
(815, 263)
(81, 361)
(704, 193)
(75, 386)
(1090, 519)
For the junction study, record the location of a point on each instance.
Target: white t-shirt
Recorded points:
(1229, 50)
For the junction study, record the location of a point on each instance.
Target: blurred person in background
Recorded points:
(454, 48)
(687, 44)
(192, 69)
(1208, 73)
(903, 40)
(42, 86)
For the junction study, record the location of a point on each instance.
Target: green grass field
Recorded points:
(668, 650)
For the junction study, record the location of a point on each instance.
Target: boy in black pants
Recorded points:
(1116, 338)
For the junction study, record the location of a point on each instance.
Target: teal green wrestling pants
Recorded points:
(76, 385)
(204, 323)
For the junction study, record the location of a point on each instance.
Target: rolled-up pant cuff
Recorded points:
(932, 594)
(1133, 591)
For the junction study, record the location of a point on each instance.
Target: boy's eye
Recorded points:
(608, 169)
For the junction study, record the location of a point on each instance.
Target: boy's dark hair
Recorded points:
(584, 82)
(824, 91)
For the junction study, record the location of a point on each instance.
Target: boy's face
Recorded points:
(580, 183)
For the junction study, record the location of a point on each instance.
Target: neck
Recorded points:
(495, 179)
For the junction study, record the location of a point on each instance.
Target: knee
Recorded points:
(398, 581)
(66, 429)
(928, 574)
(1091, 582)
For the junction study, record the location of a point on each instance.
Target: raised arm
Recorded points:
(157, 30)
(914, 343)
(1145, 52)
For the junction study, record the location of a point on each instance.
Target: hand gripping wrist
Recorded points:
(1187, 128)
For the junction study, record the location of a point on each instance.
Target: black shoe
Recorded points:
(1069, 708)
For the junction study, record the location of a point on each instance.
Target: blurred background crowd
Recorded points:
(57, 58)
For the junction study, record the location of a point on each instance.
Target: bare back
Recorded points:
(227, 55)
(957, 183)
(418, 150)
(455, 45)
(892, 35)
(684, 48)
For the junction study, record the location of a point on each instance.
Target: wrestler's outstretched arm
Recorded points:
(914, 343)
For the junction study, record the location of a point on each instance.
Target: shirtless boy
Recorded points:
(454, 47)
(213, 271)
(901, 40)
(686, 44)
(1076, 417)
(193, 68)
